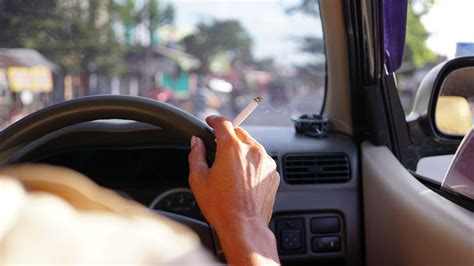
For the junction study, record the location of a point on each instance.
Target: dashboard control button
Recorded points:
(290, 239)
(325, 225)
(322, 244)
(290, 234)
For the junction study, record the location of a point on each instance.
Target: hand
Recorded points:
(236, 195)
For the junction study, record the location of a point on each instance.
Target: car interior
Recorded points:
(349, 198)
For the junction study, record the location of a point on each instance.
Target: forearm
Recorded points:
(249, 243)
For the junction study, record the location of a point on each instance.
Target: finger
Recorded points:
(244, 136)
(197, 160)
(223, 129)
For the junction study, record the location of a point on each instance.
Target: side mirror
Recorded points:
(453, 115)
(453, 99)
(444, 103)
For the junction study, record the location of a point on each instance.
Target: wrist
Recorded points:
(240, 225)
(248, 241)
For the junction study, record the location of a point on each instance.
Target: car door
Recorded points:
(406, 221)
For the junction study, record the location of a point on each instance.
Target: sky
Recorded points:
(272, 29)
(449, 21)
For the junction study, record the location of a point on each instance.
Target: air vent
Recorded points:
(316, 168)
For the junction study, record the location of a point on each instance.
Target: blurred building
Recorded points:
(27, 81)
(154, 70)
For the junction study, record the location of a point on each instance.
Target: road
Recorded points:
(271, 114)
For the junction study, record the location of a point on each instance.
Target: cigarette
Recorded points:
(246, 112)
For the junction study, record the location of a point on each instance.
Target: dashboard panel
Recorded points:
(141, 173)
(178, 201)
(145, 163)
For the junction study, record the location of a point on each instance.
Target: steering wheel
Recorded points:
(140, 109)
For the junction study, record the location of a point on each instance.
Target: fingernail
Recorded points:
(193, 141)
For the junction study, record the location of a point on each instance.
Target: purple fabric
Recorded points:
(394, 25)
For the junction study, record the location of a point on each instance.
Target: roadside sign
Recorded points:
(464, 49)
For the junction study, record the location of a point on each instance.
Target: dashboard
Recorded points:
(317, 212)
(154, 176)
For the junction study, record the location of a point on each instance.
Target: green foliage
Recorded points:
(129, 16)
(314, 45)
(417, 54)
(151, 13)
(310, 7)
(79, 36)
(265, 64)
(127, 13)
(76, 36)
(216, 37)
(156, 17)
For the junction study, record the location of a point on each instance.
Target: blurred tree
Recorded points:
(155, 16)
(265, 64)
(150, 13)
(15, 13)
(126, 13)
(309, 7)
(314, 71)
(77, 35)
(217, 37)
(310, 44)
(417, 53)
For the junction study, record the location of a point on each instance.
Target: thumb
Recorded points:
(197, 159)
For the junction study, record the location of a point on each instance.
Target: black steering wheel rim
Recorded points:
(91, 108)
(68, 113)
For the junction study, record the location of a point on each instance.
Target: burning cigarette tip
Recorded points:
(258, 99)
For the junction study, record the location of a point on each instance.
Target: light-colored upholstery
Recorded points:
(53, 215)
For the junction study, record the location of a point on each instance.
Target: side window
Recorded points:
(437, 30)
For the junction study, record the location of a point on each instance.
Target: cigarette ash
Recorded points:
(258, 99)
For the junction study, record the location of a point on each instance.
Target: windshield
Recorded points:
(206, 57)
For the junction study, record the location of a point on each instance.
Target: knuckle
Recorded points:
(191, 180)
(212, 117)
(271, 162)
(273, 165)
(257, 154)
(230, 141)
(193, 157)
(222, 138)
(258, 148)
(220, 119)
(255, 150)
(277, 180)
(194, 180)
(262, 149)
(277, 176)
(243, 132)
